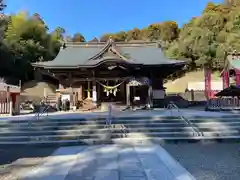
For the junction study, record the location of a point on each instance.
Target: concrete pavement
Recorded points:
(110, 162)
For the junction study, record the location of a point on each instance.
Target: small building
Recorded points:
(9, 99)
(111, 71)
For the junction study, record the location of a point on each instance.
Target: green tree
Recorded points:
(206, 39)
(28, 41)
(106, 37)
(78, 37)
(2, 5)
(133, 34)
(154, 32)
(120, 36)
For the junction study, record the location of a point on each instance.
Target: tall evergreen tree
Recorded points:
(2, 5)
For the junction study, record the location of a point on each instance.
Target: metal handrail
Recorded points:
(172, 106)
(108, 121)
(41, 113)
(45, 110)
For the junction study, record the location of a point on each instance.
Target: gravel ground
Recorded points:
(16, 160)
(216, 161)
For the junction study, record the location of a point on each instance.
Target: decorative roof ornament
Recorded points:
(110, 39)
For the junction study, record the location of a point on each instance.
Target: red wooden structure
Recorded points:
(9, 98)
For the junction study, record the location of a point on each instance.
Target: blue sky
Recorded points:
(96, 17)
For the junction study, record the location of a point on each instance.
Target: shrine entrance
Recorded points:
(139, 95)
(139, 92)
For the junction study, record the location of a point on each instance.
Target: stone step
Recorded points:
(100, 118)
(62, 122)
(133, 117)
(4, 123)
(124, 140)
(71, 121)
(63, 126)
(83, 130)
(88, 126)
(113, 135)
(120, 141)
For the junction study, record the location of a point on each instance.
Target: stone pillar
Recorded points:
(94, 92)
(88, 91)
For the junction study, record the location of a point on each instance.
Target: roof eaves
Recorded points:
(82, 65)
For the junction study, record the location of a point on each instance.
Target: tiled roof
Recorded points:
(91, 54)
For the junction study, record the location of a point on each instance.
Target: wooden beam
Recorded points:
(90, 79)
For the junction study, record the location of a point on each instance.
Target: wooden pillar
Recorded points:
(150, 91)
(88, 91)
(98, 91)
(94, 92)
(17, 104)
(207, 82)
(150, 100)
(225, 79)
(128, 94)
(80, 93)
(237, 75)
(10, 107)
(122, 90)
(72, 99)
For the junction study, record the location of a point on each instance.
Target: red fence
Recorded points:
(5, 104)
(5, 107)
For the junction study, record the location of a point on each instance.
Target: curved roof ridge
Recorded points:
(108, 44)
(97, 44)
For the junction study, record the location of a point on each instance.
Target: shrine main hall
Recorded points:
(111, 71)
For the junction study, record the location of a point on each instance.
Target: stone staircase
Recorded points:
(51, 99)
(131, 129)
